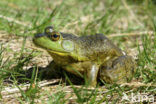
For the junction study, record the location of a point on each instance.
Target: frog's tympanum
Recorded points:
(93, 57)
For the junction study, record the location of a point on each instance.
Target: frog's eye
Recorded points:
(55, 36)
(48, 30)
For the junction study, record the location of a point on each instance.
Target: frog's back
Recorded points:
(98, 45)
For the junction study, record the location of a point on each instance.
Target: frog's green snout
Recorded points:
(38, 35)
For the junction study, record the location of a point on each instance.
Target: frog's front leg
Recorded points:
(118, 70)
(87, 70)
(92, 73)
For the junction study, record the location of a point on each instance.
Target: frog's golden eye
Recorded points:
(55, 36)
(48, 30)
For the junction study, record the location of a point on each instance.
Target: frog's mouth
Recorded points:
(47, 49)
(58, 53)
(58, 47)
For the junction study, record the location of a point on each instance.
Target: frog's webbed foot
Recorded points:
(119, 70)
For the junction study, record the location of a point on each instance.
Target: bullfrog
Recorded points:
(93, 57)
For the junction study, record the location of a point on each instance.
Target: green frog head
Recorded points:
(57, 43)
(53, 41)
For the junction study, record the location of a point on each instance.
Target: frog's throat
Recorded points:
(72, 54)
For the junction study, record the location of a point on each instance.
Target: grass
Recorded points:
(21, 19)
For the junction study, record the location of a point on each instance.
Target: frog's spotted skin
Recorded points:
(94, 56)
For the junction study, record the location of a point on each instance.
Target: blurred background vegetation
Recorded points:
(79, 16)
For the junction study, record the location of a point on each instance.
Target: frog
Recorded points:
(92, 57)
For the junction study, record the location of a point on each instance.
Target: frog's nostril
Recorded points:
(39, 35)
